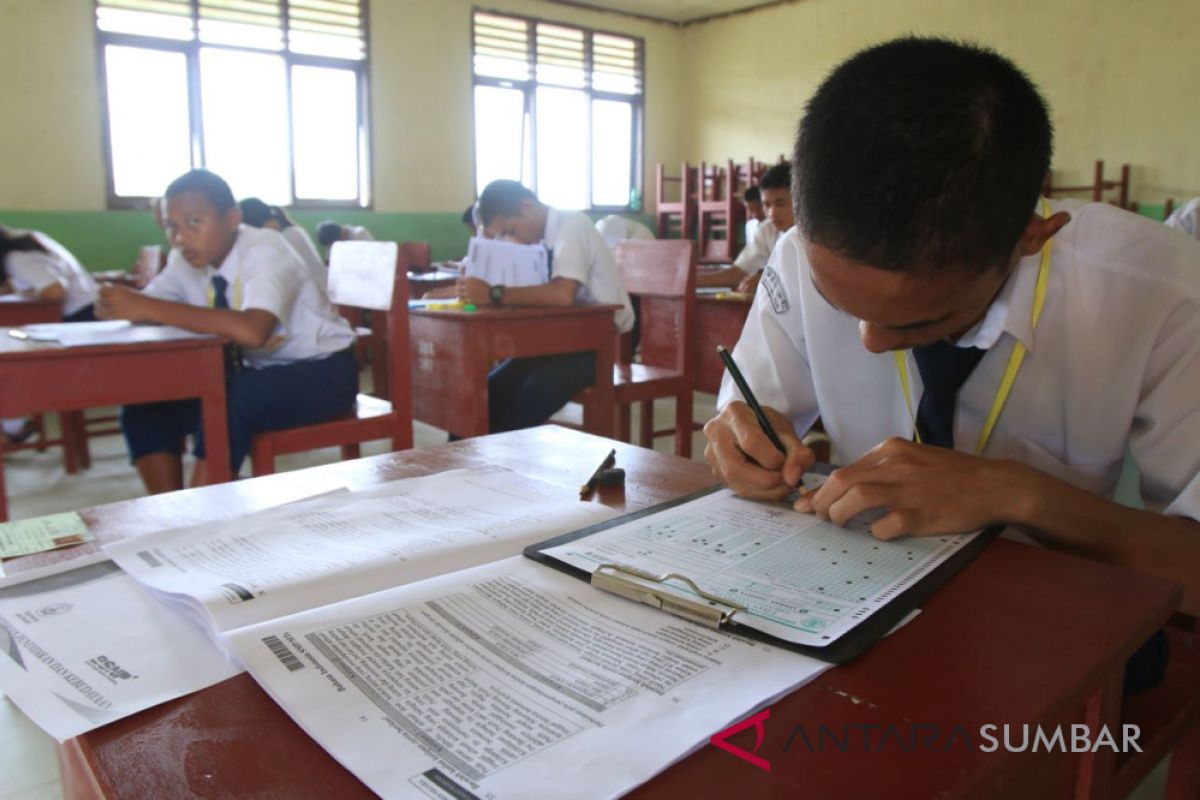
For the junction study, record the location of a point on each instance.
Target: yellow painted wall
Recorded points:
(1119, 75)
(50, 151)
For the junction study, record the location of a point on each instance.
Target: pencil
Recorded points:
(751, 400)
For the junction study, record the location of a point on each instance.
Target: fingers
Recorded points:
(726, 455)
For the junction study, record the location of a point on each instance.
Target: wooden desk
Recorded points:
(718, 321)
(16, 310)
(40, 377)
(452, 352)
(1022, 635)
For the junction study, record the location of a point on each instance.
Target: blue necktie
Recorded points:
(944, 369)
(233, 353)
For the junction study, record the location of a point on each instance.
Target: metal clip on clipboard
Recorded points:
(711, 611)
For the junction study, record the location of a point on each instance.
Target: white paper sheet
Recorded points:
(116, 331)
(507, 263)
(320, 551)
(800, 578)
(85, 647)
(509, 676)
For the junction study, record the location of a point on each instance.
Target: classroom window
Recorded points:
(270, 94)
(558, 108)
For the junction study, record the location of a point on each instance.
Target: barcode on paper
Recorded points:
(281, 651)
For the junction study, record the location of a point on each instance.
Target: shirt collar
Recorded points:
(1010, 312)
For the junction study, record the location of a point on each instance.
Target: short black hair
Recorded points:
(779, 176)
(468, 216)
(16, 243)
(501, 198)
(209, 185)
(752, 195)
(921, 155)
(329, 232)
(255, 212)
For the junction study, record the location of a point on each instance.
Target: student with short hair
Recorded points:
(258, 214)
(616, 229)
(755, 214)
(291, 362)
(979, 355)
(523, 392)
(775, 189)
(329, 232)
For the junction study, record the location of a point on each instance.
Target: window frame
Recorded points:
(528, 88)
(190, 49)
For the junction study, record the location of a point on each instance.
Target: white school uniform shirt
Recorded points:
(263, 272)
(33, 271)
(1186, 218)
(578, 252)
(752, 228)
(616, 229)
(1114, 363)
(358, 233)
(756, 252)
(303, 244)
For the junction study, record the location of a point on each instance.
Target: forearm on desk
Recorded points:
(1068, 518)
(558, 292)
(249, 328)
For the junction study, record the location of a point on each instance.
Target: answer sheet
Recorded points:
(331, 548)
(87, 646)
(800, 578)
(509, 676)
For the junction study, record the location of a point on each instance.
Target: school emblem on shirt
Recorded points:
(775, 291)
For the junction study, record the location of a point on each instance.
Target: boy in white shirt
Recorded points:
(33, 264)
(523, 392)
(752, 199)
(775, 189)
(977, 355)
(258, 214)
(329, 232)
(616, 229)
(291, 362)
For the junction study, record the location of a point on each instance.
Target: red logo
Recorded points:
(757, 721)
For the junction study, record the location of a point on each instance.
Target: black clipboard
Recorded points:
(842, 650)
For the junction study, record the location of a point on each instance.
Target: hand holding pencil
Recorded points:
(753, 449)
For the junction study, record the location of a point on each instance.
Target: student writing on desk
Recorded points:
(776, 192)
(922, 266)
(290, 362)
(524, 392)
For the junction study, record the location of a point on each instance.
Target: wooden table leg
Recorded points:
(212, 411)
(598, 412)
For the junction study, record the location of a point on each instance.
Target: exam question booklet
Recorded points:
(799, 579)
(509, 680)
(332, 548)
(507, 263)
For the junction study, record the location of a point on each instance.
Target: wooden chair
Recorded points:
(676, 217)
(662, 274)
(721, 216)
(372, 276)
(372, 345)
(1097, 188)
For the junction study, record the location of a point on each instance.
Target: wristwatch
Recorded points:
(496, 294)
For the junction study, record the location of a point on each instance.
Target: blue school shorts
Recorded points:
(256, 401)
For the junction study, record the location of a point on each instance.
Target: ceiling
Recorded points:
(676, 11)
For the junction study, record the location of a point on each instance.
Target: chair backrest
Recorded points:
(662, 274)
(417, 255)
(374, 276)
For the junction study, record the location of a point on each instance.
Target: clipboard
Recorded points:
(717, 612)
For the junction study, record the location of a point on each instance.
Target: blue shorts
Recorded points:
(524, 392)
(256, 401)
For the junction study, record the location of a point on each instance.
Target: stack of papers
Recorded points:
(113, 331)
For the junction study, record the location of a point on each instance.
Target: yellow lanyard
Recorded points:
(1014, 361)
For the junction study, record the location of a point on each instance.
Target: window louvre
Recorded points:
(168, 19)
(245, 23)
(501, 47)
(560, 55)
(616, 64)
(332, 28)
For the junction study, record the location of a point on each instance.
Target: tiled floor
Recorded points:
(37, 485)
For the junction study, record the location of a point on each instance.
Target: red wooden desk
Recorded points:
(452, 352)
(718, 321)
(1022, 635)
(41, 377)
(421, 282)
(16, 310)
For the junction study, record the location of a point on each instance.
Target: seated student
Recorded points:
(258, 214)
(291, 361)
(523, 392)
(776, 192)
(1186, 218)
(34, 265)
(329, 232)
(616, 229)
(468, 220)
(923, 250)
(755, 214)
